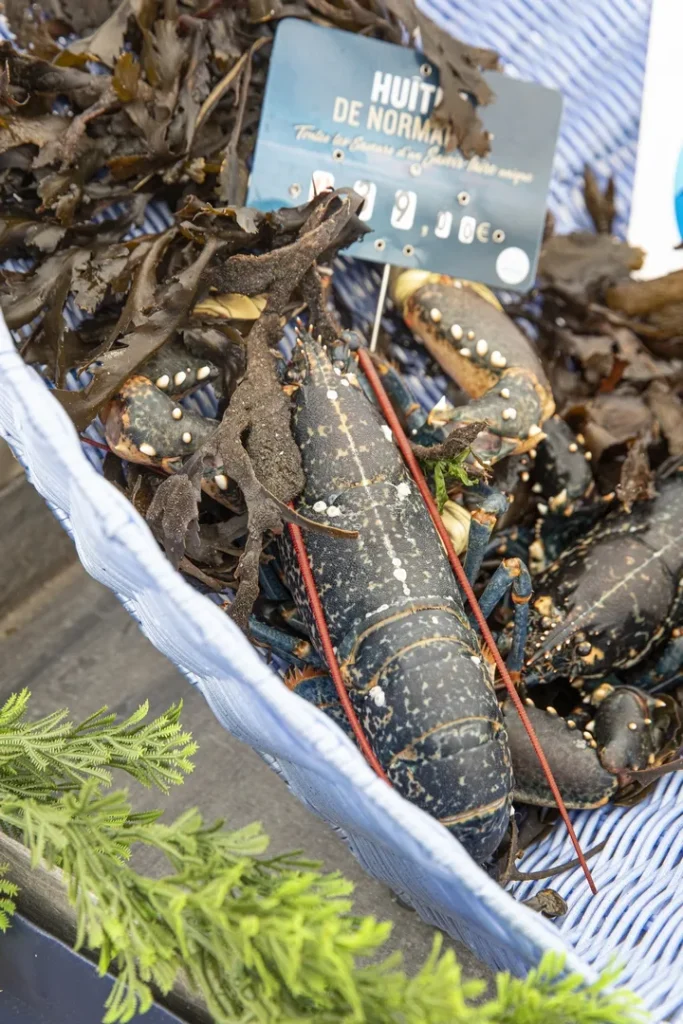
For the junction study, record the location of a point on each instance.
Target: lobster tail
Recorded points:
(432, 717)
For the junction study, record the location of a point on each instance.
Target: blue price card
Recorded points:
(341, 110)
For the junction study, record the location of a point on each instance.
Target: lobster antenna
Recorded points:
(403, 443)
(94, 444)
(328, 649)
(381, 299)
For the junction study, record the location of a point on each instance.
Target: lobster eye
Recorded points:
(583, 649)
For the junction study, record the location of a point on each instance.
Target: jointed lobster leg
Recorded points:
(293, 649)
(486, 505)
(272, 587)
(418, 425)
(513, 574)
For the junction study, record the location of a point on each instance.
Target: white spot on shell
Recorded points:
(333, 511)
(203, 372)
(435, 315)
(221, 481)
(177, 413)
(465, 352)
(320, 506)
(179, 378)
(337, 371)
(403, 490)
(332, 394)
(345, 382)
(406, 590)
(476, 660)
(505, 392)
(509, 413)
(163, 381)
(187, 437)
(387, 432)
(533, 430)
(377, 695)
(457, 332)
(396, 562)
(147, 449)
(482, 347)
(498, 360)
(401, 575)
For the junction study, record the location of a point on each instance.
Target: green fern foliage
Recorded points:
(51, 755)
(261, 940)
(8, 890)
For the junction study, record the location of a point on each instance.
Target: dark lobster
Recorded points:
(613, 602)
(407, 652)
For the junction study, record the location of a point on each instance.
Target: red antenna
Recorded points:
(403, 443)
(94, 444)
(330, 656)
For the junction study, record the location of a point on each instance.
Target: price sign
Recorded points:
(341, 110)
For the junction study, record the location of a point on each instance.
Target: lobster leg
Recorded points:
(315, 685)
(292, 649)
(486, 505)
(271, 585)
(418, 424)
(512, 574)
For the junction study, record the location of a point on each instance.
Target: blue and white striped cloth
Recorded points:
(594, 51)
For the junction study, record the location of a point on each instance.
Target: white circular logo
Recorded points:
(512, 265)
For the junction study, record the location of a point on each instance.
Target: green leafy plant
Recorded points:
(260, 939)
(8, 890)
(445, 472)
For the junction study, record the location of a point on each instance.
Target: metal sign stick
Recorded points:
(381, 299)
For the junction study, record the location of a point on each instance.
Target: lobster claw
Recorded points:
(582, 780)
(512, 413)
(464, 328)
(630, 730)
(144, 425)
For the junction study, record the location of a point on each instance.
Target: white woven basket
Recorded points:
(593, 50)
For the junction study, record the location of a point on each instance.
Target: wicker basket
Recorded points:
(594, 51)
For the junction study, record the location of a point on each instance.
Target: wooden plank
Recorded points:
(42, 899)
(9, 467)
(33, 546)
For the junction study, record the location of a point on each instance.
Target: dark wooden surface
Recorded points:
(30, 553)
(68, 640)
